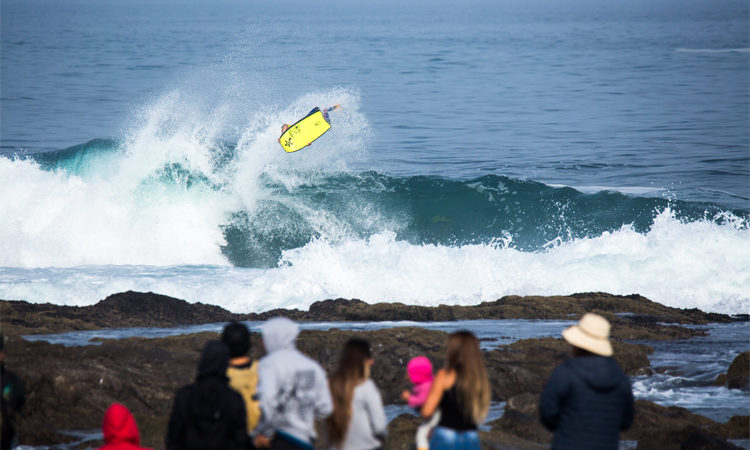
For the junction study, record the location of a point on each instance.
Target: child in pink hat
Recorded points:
(420, 375)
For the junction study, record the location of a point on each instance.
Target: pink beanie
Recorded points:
(419, 369)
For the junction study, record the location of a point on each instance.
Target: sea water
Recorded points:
(482, 149)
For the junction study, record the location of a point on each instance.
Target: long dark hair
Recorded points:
(472, 384)
(352, 371)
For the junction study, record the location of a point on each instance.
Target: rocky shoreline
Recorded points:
(68, 388)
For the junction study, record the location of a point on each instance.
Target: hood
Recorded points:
(601, 373)
(119, 425)
(419, 370)
(279, 333)
(214, 360)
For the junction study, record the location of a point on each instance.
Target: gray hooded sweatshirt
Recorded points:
(293, 388)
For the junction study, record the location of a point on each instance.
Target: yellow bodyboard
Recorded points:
(304, 132)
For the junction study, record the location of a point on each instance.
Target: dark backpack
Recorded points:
(207, 424)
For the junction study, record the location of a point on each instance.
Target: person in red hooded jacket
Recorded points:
(120, 430)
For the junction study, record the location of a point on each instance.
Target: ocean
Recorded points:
(483, 148)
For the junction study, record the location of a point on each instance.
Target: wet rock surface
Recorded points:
(673, 427)
(633, 316)
(69, 388)
(738, 374)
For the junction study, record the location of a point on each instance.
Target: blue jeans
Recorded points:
(449, 439)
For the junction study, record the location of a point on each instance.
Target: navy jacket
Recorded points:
(586, 403)
(208, 414)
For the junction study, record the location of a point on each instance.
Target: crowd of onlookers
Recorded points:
(236, 402)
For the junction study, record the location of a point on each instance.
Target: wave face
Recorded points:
(181, 211)
(178, 208)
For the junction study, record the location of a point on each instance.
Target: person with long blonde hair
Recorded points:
(358, 421)
(461, 390)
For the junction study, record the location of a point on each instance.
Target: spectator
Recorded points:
(293, 390)
(419, 370)
(242, 371)
(11, 401)
(588, 399)
(358, 421)
(208, 414)
(120, 430)
(461, 390)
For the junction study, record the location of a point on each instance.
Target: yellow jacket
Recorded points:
(244, 379)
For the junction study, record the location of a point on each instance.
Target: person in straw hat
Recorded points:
(588, 399)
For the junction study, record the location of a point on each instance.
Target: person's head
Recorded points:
(353, 369)
(236, 336)
(279, 333)
(589, 336)
(214, 360)
(464, 357)
(119, 425)
(356, 359)
(419, 370)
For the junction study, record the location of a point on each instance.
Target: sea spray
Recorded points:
(160, 196)
(697, 264)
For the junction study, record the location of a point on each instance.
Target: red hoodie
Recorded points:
(120, 430)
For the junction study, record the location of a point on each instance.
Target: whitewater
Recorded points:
(176, 208)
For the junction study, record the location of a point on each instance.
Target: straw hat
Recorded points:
(591, 333)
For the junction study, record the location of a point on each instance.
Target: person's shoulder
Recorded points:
(310, 362)
(367, 392)
(444, 378)
(441, 373)
(369, 386)
(565, 369)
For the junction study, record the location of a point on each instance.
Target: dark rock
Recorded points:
(525, 365)
(668, 428)
(633, 317)
(521, 418)
(152, 310)
(499, 439)
(738, 374)
(69, 388)
(128, 309)
(737, 427)
(515, 307)
(699, 440)
(402, 432)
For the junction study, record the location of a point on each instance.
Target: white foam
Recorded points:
(121, 213)
(686, 265)
(55, 219)
(718, 403)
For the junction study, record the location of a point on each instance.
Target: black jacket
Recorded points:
(13, 395)
(209, 414)
(587, 402)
